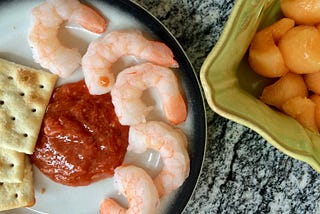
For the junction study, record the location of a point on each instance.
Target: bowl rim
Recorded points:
(240, 10)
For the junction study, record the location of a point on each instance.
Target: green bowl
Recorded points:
(232, 88)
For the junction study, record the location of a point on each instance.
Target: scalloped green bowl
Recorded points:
(232, 88)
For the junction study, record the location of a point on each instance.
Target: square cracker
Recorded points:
(24, 95)
(11, 166)
(14, 195)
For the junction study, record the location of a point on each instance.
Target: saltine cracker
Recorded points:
(24, 95)
(11, 166)
(14, 195)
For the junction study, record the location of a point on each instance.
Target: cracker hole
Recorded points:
(33, 110)
(41, 86)
(10, 78)
(21, 94)
(1, 183)
(16, 195)
(25, 135)
(1, 102)
(13, 118)
(12, 165)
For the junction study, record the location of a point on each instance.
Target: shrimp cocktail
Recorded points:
(117, 97)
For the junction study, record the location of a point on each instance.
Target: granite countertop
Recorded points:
(242, 173)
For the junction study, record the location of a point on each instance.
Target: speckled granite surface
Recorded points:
(242, 173)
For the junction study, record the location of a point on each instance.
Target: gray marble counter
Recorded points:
(242, 173)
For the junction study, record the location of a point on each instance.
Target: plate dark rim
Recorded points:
(193, 93)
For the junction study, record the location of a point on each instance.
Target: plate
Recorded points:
(122, 14)
(232, 88)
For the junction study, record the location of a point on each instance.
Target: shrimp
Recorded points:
(128, 89)
(101, 54)
(171, 144)
(74, 11)
(43, 36)
(265, 57)
(138, 187)
(302, 11)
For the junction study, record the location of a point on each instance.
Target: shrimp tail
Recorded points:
(137, 186)
(176, 102)
(171, 143)
(161, 54)
(109, 206)
(89, 19)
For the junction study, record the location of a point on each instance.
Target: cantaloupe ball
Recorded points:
(300, 48)
(313, 82)
(303, 110)
(316, 99)
(265, 57)
(302, 11)
(289, 86)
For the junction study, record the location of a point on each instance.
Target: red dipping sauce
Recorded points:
(81, 140)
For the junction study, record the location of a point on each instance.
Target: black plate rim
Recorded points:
(197, 158)
(197, 99)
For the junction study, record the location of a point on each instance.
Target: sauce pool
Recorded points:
(81, 140)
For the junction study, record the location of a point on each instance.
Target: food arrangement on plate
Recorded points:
(79, 132)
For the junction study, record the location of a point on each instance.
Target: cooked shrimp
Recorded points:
(172, 146)
(134, 183)
(265, 57)
(43, 36)
(74, 11)
(302, 11)
(128, 89)
(110, 206)
(101, 55)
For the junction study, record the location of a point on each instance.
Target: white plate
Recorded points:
(53, 198)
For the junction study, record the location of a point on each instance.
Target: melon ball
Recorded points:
(300, 48)
(265, 57)
(303, 110)
(289, 86)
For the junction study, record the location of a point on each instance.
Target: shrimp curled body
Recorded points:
(43, 35)
(138, 187)
(130, 84)
(101, 55)
(171, 144)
